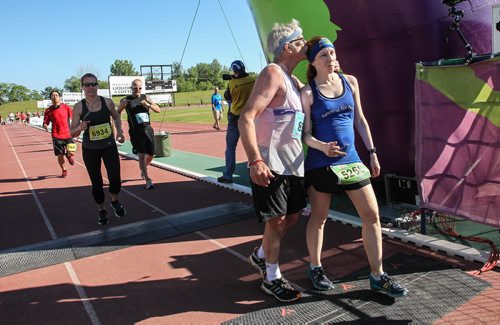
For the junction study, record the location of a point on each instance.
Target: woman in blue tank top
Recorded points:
(332, 109)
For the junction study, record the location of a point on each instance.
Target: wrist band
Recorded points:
(373, 150)
(254, 162)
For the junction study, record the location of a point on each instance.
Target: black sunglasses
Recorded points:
(136, 87)
(88, 84)
(297, 40)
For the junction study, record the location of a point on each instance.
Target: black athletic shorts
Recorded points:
(142, 139)
(60, 145)
(324, 180)
(284, 195)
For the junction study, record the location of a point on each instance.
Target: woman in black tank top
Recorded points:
(92, 116)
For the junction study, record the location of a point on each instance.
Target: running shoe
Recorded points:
(388, 286)
(224, 180)
(102, 220)
(64, 173)
(119, 210)
(319, 279)
(280, 289)
(71, 160)
(258, 263)
(149, 184)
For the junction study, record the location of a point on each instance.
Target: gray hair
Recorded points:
(282, 34)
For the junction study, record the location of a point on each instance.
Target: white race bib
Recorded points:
(298, 125)
(142, 118)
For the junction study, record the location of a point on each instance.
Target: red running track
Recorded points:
(201, 277)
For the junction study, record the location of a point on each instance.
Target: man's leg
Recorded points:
(217, 120)
(59, 152)
(142, 165)
(60, 160)
(144, 162)
(274, 283)
(232, 137)
(214, 113)
(271, 241)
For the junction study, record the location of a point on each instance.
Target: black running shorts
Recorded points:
(60, 145)
(142, 139)
(285, 195)
(324, 180)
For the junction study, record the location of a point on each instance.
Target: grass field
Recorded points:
(188, 108)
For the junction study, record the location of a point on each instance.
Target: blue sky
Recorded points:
(46, 42)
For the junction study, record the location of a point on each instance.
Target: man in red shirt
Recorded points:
(59, 115)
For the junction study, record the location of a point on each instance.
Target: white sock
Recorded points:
(377, 277)
(273, 271)
(260, 253)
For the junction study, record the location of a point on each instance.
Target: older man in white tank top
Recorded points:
(270, 128)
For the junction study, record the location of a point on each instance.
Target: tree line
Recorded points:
(202, 76)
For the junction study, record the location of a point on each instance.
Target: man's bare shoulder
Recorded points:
(272, 68)
(270, 74)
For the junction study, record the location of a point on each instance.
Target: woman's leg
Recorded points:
(92, 160)
(320, 205)
(112, 162)
(366, 204)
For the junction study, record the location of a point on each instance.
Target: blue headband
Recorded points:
(286, 39)
(314, 50)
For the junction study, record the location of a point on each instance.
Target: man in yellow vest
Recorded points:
(239, 89)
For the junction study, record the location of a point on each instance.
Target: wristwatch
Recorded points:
(373, 150)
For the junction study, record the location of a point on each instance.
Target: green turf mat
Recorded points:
(201, 164)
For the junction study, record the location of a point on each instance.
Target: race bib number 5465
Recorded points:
(351, 173)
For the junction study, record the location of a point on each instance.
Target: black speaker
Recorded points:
(401, 190)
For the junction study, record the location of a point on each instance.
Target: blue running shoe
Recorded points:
(388, 286)
(319, 279)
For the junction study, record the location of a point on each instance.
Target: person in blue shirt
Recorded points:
(332, 108)
(216, 108)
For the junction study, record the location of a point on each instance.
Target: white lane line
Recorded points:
(76, 282)
(35, 196)
(83, 296)
(224, 247)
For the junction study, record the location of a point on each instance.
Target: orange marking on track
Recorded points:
(347, 287)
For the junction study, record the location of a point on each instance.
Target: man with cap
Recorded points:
(271, 131)
(239, 89)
